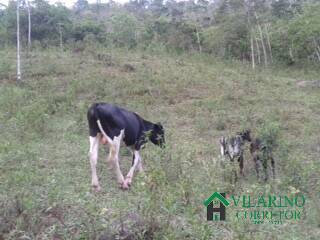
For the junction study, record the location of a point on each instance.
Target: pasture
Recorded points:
(45, 190)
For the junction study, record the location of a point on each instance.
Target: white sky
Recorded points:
(69, 3)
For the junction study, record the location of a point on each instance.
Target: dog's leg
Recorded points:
(257, 165)
(273, 167)
(234, 169)
(235, 174)
(265, 168)
(241, 164)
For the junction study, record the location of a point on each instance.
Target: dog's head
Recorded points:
(245, 135)
(223, 146)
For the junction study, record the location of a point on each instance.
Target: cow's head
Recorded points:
(157, 135)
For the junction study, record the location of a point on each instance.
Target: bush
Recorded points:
(82, 29)
(124, 29)
(269, 133)
(5, 69)
(298, 39)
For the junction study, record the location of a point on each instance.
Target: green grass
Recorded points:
(45, 190)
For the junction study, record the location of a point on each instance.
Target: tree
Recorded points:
(46, 20)
(286, 8)
(18, 43)
(157, 8)
(3, 23)
(81, 5)
(88, 27)
(298, 39)
(29, 25)
(124, 30)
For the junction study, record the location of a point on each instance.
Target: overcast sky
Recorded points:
(70, 3)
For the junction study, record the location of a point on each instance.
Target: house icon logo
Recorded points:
(219, 213)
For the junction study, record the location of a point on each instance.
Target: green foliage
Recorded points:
(304, 32)
(124, 30)
(179, 36)
(286, 8)
(81, 5)
(228, 40)
(46, 20)
(5, 68)
(269, 134)
(88, 29)
(228, 29)
(298, 39)
(3, 30)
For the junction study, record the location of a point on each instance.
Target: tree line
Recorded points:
(258, 31)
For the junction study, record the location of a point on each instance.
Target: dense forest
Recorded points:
(261, 32)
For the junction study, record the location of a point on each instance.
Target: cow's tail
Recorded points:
(92, 120)
(95, 124)
(103, 132)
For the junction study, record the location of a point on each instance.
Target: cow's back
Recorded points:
(113, 119)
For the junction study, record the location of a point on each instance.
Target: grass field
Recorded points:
(45, 190)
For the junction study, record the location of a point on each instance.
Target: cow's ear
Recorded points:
(159, 126)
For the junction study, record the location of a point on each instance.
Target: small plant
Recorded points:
(269, 134)
(220, 124)
(5, 69)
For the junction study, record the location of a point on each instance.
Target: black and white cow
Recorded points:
(109, 124)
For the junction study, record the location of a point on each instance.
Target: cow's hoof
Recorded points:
(125, 185)
(96, 188)
(128, 181)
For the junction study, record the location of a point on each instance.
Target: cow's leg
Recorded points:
(129, 176)
(139, 166)
(93, 155)
(114, 155)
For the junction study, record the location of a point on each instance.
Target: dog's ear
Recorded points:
(244, 132)
(246, 135)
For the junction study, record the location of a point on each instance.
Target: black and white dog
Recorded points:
(261, 154)
(233, 147)
(109, 124)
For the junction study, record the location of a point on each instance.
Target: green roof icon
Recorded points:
(220, 198)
